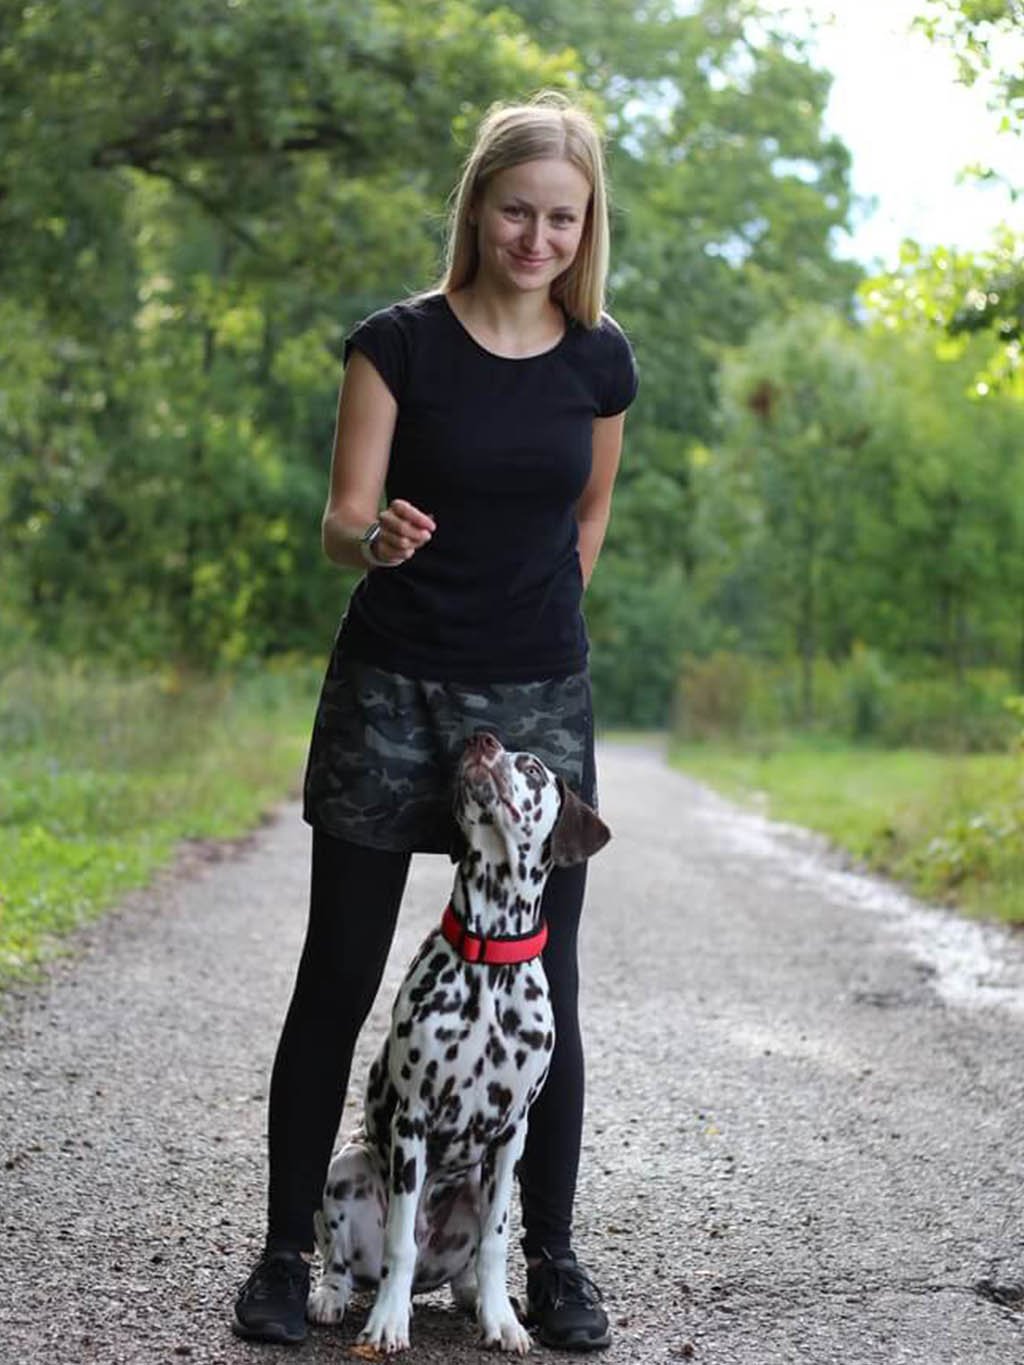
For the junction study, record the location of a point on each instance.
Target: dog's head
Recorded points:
(514, 800)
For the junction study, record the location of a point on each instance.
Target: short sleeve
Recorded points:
(384, 341)
(619, 377)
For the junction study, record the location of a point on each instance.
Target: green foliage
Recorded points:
(102, 775)
(953, 293)
(862, 700)
(986, 38)
(798, 405)
(639, 627)
(862, 491)
(196, 202)
(949, 826)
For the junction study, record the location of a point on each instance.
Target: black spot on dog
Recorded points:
(520, 1059)
(499, 1096)
(509, 1020)
(494, 1050)
(470, 1007)
(384, 1271)
(403, 1172)
(451, 1053)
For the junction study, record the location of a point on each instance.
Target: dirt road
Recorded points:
(805, 1131)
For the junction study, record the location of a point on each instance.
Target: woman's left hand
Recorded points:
(404, 529)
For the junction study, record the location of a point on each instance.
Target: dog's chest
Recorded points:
(469, 1048)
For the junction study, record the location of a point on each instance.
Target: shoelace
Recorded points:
(273, 1274)
(567, 1282)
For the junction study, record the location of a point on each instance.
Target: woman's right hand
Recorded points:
(404, 529)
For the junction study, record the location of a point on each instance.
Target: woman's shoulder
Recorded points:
(408, 314)
(392, 337)
(611, 334)
(608, 355)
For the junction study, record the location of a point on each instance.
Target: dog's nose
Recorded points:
(483, 745)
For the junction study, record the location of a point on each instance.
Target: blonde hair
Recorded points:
(550, 125)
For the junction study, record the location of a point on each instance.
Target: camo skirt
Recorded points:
(384, 748)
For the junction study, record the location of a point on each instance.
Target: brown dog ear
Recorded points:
(579, 832)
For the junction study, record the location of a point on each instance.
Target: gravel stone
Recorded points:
(805, 1116)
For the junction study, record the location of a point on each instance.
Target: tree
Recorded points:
(196, 202)
(797, 411)
(986, 38)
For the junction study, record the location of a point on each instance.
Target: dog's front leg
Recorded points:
(499, 1325)
(387, 1327)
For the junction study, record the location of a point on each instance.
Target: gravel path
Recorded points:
(805, 1131)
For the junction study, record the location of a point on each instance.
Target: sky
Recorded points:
(911, 128)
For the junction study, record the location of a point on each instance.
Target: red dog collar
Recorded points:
(493, 952)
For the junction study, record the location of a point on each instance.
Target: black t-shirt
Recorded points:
(498, 452)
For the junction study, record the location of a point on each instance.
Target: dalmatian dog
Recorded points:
(420, 1195)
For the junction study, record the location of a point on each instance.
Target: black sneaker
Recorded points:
(271, 1305)
(563, 1305)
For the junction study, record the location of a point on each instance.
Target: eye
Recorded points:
(563, 219)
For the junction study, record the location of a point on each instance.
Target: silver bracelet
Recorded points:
(366, 543)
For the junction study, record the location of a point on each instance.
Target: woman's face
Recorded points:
(530, 221)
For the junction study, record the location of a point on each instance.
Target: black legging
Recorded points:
(354, 902)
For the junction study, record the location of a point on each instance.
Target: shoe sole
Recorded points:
(574, 1341)
(279, 1336)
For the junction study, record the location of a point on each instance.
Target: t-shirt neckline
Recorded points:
(494, 355)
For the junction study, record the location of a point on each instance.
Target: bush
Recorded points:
(731, 695)
(713, 696)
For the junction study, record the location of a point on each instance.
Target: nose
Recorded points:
(483, 745)
(531, 235)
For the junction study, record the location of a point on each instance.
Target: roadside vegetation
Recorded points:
(102, 776)
(947, 820)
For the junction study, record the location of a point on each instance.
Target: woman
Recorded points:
(491, 410)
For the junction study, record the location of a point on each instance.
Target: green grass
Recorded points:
(101, 778)
(949, 826)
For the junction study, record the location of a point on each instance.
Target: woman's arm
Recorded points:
(594, 507)
(367, 413)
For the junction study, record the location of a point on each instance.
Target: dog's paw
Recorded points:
(504, 1332)
(326, 1305)
(387, 1327)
